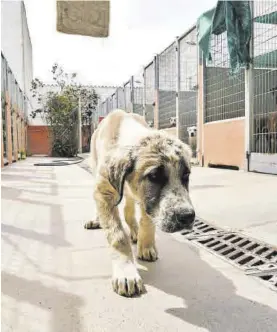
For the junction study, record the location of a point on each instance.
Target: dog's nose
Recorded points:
(186, 217)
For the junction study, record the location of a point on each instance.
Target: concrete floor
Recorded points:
(238, 200)
(56, 275)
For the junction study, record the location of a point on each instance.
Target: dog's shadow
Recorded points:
(210, 298)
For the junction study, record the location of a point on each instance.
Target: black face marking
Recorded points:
(152, 196)
(158, 176)
(155, 182)
(184, 172)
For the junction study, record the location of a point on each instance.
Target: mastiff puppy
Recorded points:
(146, 166)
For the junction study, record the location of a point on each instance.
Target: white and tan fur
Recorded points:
(124, 151)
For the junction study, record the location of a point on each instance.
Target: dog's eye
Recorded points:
(185, 177)
(152, 177)
(157, 175)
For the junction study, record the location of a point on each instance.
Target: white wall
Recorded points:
(28, 53)
(16, 43)
(38, 120)
(102, 91)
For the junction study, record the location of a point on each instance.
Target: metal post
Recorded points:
(177, 48)
(144, 94)
(116, 96)
(249, 100)
(156, 85)
(201, 109)
(124, 98)
(132, 93)
(80, 124)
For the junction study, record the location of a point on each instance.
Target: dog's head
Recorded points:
(157, 171)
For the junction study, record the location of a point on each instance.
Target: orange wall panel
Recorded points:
(224, 143)
(39, 140)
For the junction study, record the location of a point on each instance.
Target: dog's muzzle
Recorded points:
(179, 221)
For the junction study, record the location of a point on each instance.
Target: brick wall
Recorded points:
(38, 140)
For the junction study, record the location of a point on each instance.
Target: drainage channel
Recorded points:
(254, 257)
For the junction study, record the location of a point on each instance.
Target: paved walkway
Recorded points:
(56, 275)
(236, 199)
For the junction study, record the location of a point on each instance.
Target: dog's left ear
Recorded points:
(118, 170)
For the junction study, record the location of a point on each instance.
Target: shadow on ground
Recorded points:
(63, 306)
(207, 294)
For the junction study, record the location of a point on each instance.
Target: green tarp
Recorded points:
(270, 18)
(234, 17)
(268, 60)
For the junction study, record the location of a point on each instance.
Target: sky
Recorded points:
(138, 30)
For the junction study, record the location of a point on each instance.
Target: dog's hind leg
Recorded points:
(130, 218)
(147, 250)
(93, 224)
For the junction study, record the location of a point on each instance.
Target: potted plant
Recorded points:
(22, 155)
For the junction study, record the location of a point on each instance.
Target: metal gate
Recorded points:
(264, 121)
(167, 86)
(138, 94)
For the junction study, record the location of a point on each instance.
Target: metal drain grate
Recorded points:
(253, 257)
(201, 229)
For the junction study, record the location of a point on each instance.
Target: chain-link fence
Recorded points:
(109, 104)
(170, 80)
(224, 94)
(120, 98)
(128, 96)
(167, 78)
(265, 77)
(138, 100)
(188, 87)
(114, 101)
(182, 90)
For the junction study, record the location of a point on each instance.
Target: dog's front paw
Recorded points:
(92, 224)
(127, 281)
(149, 254)
(134, 235)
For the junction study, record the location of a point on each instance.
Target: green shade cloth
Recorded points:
(235, 18)
(270, 18)
(268, 60)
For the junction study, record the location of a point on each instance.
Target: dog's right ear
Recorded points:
(119, 167)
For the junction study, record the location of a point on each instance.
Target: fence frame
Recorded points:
(144, 93)
(132, 93)
(249, 98)
(257, 159)
(156, 91)
(178, 83)
(146, 88)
